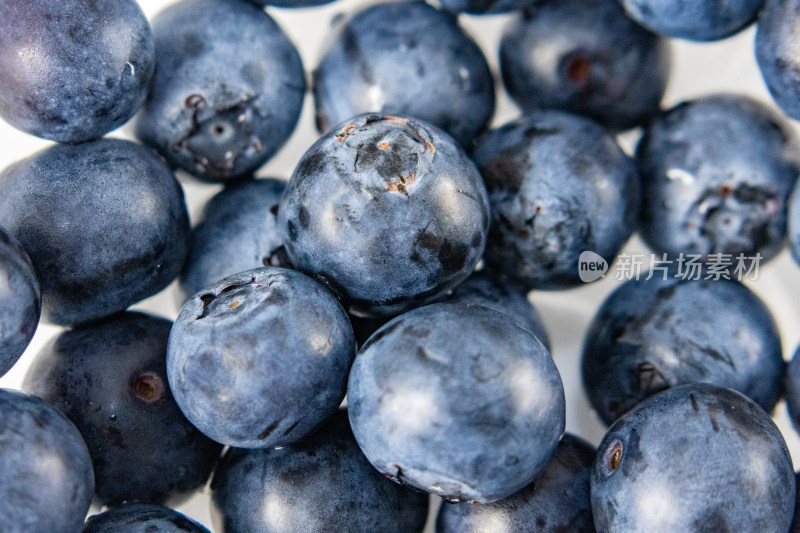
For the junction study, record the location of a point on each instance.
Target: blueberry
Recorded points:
(46, 479)
(20, 301)
(460, 401)
(110, 379)
(777, 54)
(694, 458)
(698, 20)
(717, 173)
(793, 389)
(559, 186)
(260, 359)
(488, 291)
(588, 57)
(228, 88)
(320, 484)
(141, 518)
(238, 232)
(409, 59)
(387, 211)
(104, 223)
(73, 70)
(653, 334)
(556, 501)
(486, 7)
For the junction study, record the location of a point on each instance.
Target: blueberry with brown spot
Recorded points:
(386, 211)
(650, 335)
(694, 458)
(587, 57)
(110, 379)
(261, 358)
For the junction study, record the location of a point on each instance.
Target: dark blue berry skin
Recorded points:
(110, 379)
(291, 3)
(588, 57)
(698, 20)
(793, 389)
(409, 59)
(796, 520)
(238, 232)
(460, 401)
(653, 334)
(794, 224)
(557, 501)
(777, 54)
(260, 359)
(46, 480)
(20, 301)
(559, 185)
(694, 458)
(104, 223)
(73, 70)
(228, 89)
(141, 518)
(320, 484)
(488, 291)
(486, 7)
(717, 173)
(389, 212)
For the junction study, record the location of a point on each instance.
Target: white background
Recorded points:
(698, 69)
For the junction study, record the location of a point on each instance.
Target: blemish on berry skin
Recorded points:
(148, 387)
(579, 69)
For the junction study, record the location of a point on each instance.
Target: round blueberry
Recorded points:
(460, 401)
(556, 501)
(650, 335)
(588, 57)
(104, 223)
(260, 359)
(778, 55)
(717, 173)
(387, 211)
(410, 59)
(228, 89)
(46, 479)
(559, 186)
(110, 379)
(141, 518)
(20, 301)
(694, 458)
(696, 20)
(238, 232)
(73, 70)
(318, 485)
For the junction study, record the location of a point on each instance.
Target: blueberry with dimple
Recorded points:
(698, 20)
(488, 291)
(228, 89)
(322, 483)
(46, 480)
(141, 518)
(110, 379)
(104, 223)
(717, 173)
(556, 501)
(409, 59)
(559, 186)
(694, 458)
(460, 401)
(20, 301)
(588, 57)
(73, 70)
(387, 211)
(777, 53)
(261, 358)
(238, 232)
(653, 334)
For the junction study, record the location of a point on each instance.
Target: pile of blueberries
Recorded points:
(394, 268)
